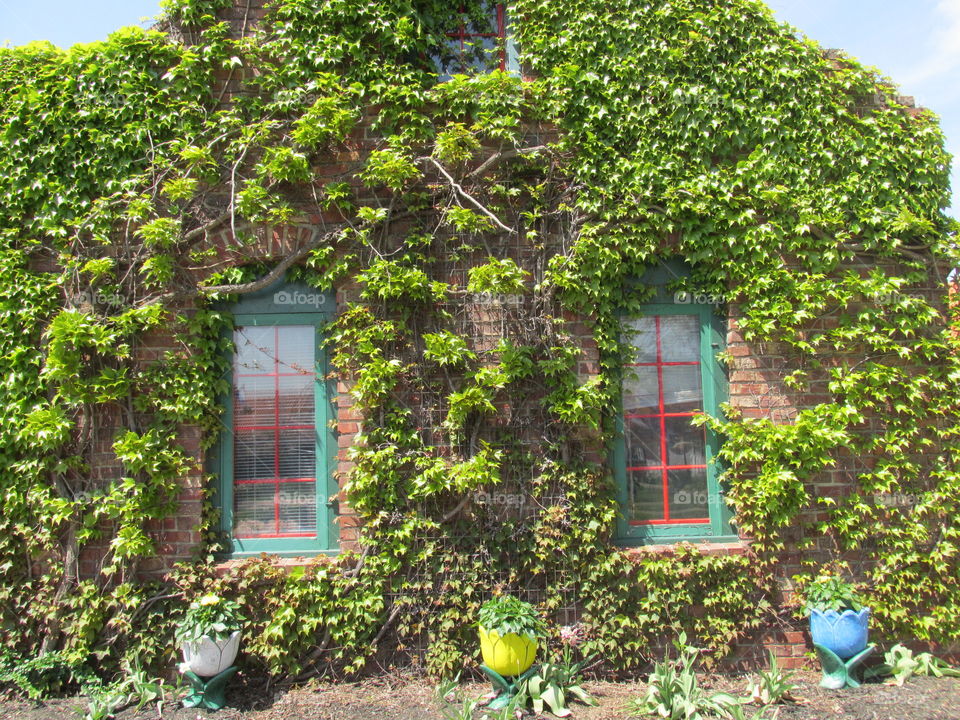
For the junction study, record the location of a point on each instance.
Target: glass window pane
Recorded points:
(681, 388)
(680, 338)
(643, 441)
(481, 53)
(685, 442)
(297, 349)
(645, 495)
(642, 334)
(298, 508)
(254, 510)
(298, 453)
(641, 395)
(688, 494)
(254, 454)
(255, 350)
(486, 25)
(297, 399)
(254, 401)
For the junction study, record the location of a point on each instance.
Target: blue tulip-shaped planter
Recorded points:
(840, 639)
(844, 633)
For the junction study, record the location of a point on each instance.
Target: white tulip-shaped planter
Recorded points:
(208, 657)
(208, 665)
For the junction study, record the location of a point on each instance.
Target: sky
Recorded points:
(914, 42)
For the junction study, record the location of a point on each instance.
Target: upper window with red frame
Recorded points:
(480, 43)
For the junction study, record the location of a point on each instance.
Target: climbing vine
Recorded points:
(149, 179)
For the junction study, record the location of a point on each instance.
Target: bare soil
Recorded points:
(413, 698)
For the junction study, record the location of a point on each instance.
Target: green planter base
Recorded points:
(837, 673)
(209, 693)
(505, 688)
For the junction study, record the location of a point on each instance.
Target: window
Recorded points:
(480, 45)
(664, 463)
(275, 450)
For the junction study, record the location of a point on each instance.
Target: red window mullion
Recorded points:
(273, 427)
(275, 480)
(639, 416)
(669, 467)
(691, 521)
(665, 364)
(502, 36)
(461, 34)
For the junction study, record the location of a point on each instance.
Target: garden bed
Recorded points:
(412, 698)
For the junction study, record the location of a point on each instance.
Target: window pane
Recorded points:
(254, 401)
(256, 350)
(640, 391)
(688, 494)
(298, 453)
(642, 334)
(296, 399)
(645, 495)
(254, 510)
(681, 388)
(680, 338)
(486, 25)
(643, 441)
(298, 508)
(297, 349)
(254, 455)
(480, 52)
(685, 442)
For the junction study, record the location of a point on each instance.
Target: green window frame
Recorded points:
(667, 484)
(279, 447)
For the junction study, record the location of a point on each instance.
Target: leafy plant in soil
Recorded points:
(772, 685)
(901, 664)
(673, 690)
(507, 614)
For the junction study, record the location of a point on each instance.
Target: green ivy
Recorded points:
(792, 183)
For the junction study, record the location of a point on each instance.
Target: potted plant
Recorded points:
(209, 635)
(838, 618)
(509, 628)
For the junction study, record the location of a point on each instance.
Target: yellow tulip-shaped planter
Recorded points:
(509, 655)
(508, 643)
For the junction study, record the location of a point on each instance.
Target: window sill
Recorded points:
(712, 547)
(283, 562)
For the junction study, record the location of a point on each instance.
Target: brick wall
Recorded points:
(756, 384)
